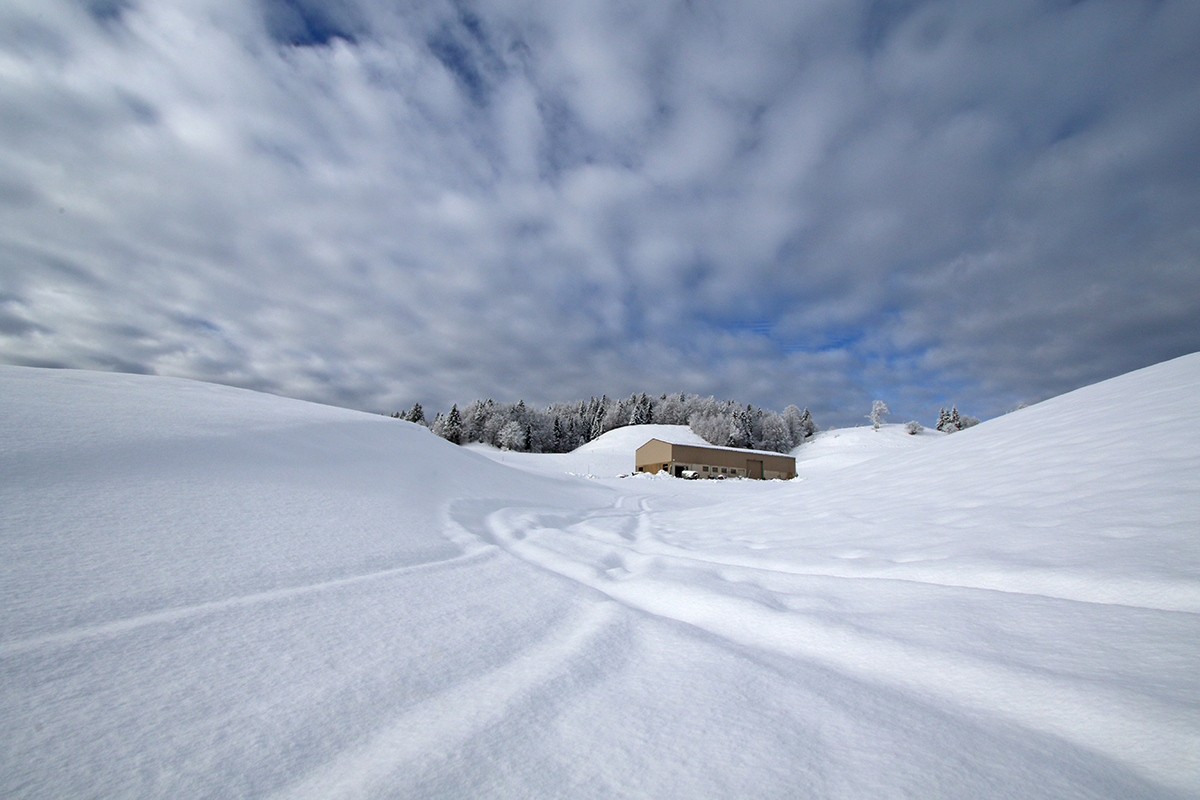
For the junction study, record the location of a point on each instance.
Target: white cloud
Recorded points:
(812, 203)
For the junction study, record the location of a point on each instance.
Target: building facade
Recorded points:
(712, 462)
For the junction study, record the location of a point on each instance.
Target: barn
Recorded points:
(706, 461)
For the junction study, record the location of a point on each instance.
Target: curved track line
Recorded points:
(120, 626)
(439, 723)
(1048, 583)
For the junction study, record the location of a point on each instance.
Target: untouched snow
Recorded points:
(848, 447)
(212, 592)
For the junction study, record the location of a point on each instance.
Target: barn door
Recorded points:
(754, 469)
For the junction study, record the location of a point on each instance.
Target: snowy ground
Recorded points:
(848, 447)
(211, 592)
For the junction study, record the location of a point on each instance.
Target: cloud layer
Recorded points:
(370, 203)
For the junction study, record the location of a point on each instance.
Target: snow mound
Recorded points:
(606, 456)
(631, 437)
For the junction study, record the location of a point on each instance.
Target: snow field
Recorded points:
(214, 592)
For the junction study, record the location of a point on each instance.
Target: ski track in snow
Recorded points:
(598, 551)
(1053, 584)
(171, 615)
(442, 723)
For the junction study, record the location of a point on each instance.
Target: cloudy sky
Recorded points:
(373, 202)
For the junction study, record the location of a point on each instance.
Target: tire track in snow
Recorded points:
(1158, 741)
(169, 615)
(441, 722)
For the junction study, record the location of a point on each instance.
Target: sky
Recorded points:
(369, 203)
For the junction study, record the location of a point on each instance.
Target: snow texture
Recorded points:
(210, 592)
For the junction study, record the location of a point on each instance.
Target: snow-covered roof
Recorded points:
(707, 446)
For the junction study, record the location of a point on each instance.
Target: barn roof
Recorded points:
(715, 447)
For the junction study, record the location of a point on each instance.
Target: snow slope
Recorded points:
(211, 592)
(848, 447)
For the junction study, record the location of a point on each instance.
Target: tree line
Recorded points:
(562, 427)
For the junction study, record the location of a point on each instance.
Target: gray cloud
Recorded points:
(374, 203)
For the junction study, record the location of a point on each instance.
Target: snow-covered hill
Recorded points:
(212, 592)
(848, 447)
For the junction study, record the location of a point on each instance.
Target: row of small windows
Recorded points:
(704, 469)
(687, 471)
(724, 470)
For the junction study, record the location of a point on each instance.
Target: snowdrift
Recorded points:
(215, 592)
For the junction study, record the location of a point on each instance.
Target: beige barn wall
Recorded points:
(656, 455)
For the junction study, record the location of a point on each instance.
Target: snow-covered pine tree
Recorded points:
(799, 423)
(597, 428)
(807, 423)
(635, 410)
(416, 414)
(452, 429)
(645, 409)
(756, 430)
